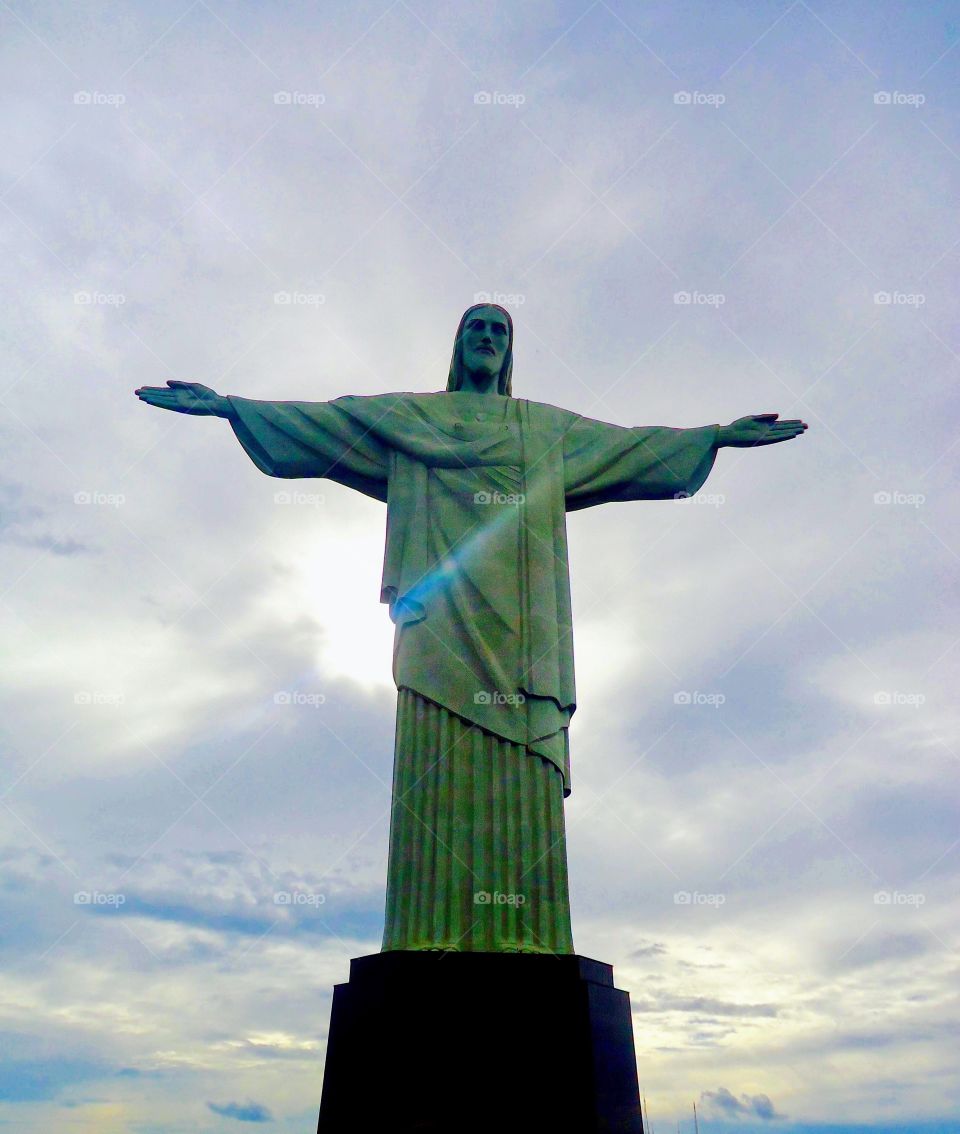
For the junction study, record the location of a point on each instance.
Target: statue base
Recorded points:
(431, 1042)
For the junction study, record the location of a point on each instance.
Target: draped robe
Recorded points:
(475, 575)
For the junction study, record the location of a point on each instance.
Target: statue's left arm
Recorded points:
(604, 463)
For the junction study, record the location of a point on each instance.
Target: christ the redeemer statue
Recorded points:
(477, 484)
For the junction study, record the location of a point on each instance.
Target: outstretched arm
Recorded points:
(759, 429)
(186, 397)
(604, 463)
(289, 439)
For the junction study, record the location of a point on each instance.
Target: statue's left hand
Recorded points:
(759, 429)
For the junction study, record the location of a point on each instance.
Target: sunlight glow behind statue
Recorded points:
(477, 484)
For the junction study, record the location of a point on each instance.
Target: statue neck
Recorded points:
(478, 382)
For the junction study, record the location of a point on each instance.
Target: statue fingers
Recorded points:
(162, 398)
(777, 438)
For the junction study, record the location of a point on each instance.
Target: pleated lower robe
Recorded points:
(478, 854)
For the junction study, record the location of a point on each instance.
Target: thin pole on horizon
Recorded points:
(696, 1125)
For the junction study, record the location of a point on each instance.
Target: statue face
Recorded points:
(484, 342)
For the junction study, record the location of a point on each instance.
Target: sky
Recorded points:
(694, 212)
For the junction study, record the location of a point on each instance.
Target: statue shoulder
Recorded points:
(363, 399)
(541, 415)
(362, 405)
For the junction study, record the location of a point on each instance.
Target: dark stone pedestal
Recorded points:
(459, 1043)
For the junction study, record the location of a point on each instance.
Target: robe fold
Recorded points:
(475, 565)
(478, 850)
(475, 574)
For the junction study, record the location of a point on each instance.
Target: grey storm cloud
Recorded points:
(755, 1106)
(242, 1112)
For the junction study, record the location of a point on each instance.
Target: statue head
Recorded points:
(483, 350)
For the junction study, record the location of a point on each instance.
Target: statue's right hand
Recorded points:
(184, 397)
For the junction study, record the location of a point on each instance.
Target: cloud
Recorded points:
(764, 1108)
(242, 1112)
(754, 1106)
(58, 546)
(705, 1005)
(877, 948)
(16, 518)
(650, 949)
(36, 1080)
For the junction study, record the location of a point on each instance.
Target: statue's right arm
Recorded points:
(186, 397)
(291, 439)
